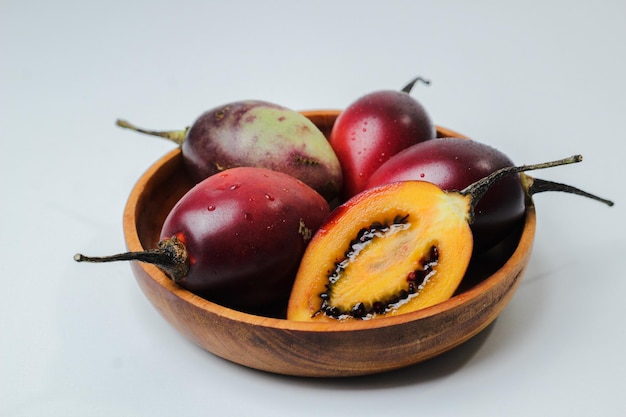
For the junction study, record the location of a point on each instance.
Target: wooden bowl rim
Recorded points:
(133, 243)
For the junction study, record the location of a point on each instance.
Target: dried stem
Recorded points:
(170, 256)
(176, 136)
(537, 185)
(407, 88)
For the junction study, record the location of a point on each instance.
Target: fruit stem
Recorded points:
(478, 189)
(537, 185)
(176, 136)
(170, 256)
(407, 88)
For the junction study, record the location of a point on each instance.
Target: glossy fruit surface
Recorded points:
(257, 134)
(262, 134)
(392, 249)
(372, 129)
(321, 349)
(328, 349)
(245, 230)
(453, 164)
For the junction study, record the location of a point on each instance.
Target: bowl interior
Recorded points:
(265, 340)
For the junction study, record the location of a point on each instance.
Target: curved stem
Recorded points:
(478, 189)
(176, 136)
(407, 88)
(171, 257)
(537, 185)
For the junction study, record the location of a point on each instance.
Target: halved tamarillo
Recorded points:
(391, 249)
(377, 249)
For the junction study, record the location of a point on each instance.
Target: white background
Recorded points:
(539, 80)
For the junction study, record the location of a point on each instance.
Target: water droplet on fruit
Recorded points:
(269, 197)
(247, 216)
(235, 186)
(211, 207)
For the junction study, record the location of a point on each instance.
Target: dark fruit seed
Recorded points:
(400, 219)
(420, 276)
(378, 307)
(434, 253)
(334, 312)
(359, 311)
(377, 225)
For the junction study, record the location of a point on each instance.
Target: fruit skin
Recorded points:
(372, 129)
(453, 164)
(245, 230)
(434, 218)
(262, 134)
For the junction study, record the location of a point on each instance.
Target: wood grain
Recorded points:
(313, 349)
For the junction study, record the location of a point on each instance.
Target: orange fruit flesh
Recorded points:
(379, 270)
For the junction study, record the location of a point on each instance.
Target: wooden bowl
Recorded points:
(316, 349)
